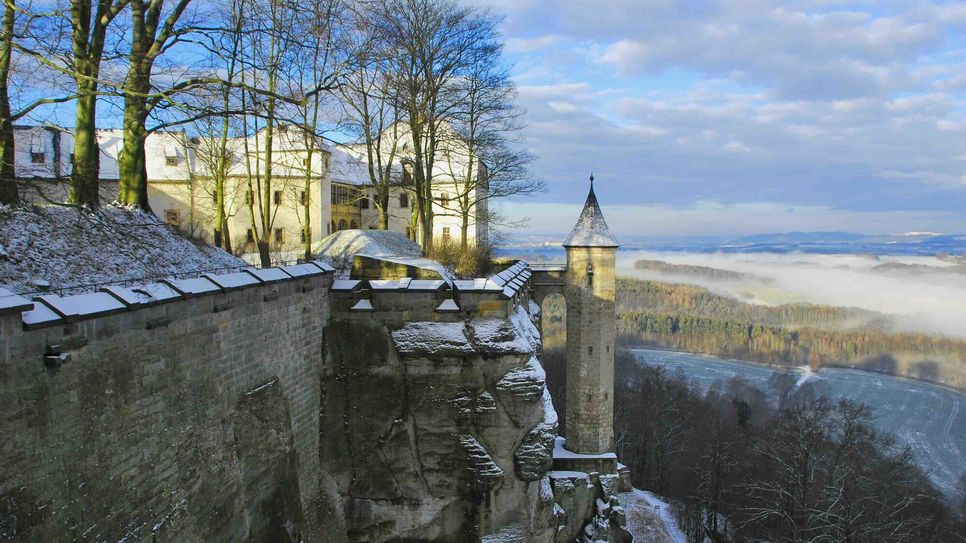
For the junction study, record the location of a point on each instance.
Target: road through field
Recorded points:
(928, 418)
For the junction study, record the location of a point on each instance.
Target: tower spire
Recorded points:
(591, 229)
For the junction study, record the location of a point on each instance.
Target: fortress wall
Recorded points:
(191, 420)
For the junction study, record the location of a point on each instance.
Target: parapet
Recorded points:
(406, 299)
(51, 309)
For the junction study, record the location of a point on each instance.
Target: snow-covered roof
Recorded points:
(348, 166)
(345, 244)
(591, 229)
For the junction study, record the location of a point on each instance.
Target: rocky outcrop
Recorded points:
(534, 457)
(438, 431)
(590, 514)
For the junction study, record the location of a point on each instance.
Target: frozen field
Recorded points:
(931, 419)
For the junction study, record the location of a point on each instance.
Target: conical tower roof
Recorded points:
(591, 229)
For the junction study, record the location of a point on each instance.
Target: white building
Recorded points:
(332, 191)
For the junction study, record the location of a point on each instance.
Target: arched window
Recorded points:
(342, 224)
(353, 225)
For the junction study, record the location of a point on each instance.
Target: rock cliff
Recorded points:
(439, 431)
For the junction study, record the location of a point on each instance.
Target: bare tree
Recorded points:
(371, 105)
(89, 36)
(430, 44)
(154, 30)
(483, 158)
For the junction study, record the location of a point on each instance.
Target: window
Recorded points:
(403, 200)
(303, 198)
(250, 236)
(364, 203)
(332, 227)
(445, 233)
(172, 217)
(443, 199)
(279, 235)
(342, 224)
(170, 156)
(277, 197)
(37, 151)
(303, 235)
(353, 225)
(346, 196)
(590, 349)
(214, 197)
(250, 198)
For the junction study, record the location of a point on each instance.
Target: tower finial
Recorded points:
(591, 179)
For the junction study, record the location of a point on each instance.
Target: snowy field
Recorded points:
(928, 418)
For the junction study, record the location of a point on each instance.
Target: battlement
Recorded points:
(408, 299)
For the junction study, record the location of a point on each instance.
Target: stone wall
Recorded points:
(193, 419)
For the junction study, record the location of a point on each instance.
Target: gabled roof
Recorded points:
(591, 229)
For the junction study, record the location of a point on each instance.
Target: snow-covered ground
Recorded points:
(649, 518)
(76, 251)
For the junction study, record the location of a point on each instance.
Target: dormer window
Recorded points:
(37, 151)
(170, 156)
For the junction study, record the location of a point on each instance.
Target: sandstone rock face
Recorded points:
(438, 431)
(534, 457)
(575, 493)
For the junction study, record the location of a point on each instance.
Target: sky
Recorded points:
(741, 117)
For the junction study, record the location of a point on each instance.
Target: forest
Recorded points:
(738, 467)
(694, 319)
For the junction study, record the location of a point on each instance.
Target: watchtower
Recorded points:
(591, 328)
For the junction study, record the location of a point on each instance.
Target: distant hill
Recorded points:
(909, 243)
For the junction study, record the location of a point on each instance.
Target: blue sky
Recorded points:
(736, 117)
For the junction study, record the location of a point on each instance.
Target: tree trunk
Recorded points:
(266, 201)
(132, 164)
(84, 177)
(307, 208)
(8, 175)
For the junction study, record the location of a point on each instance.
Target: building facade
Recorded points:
(317, 188)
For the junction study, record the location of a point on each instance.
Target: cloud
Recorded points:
(848, 106)
(530, 45)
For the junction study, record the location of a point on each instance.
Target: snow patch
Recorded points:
(432, 338)
(76, 251)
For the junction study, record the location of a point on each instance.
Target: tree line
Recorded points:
(692, 319)
(419, 82)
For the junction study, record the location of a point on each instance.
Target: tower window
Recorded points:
(250, 235)
(590, 349)
(364, 203)
(404, 200)
(38, 158)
